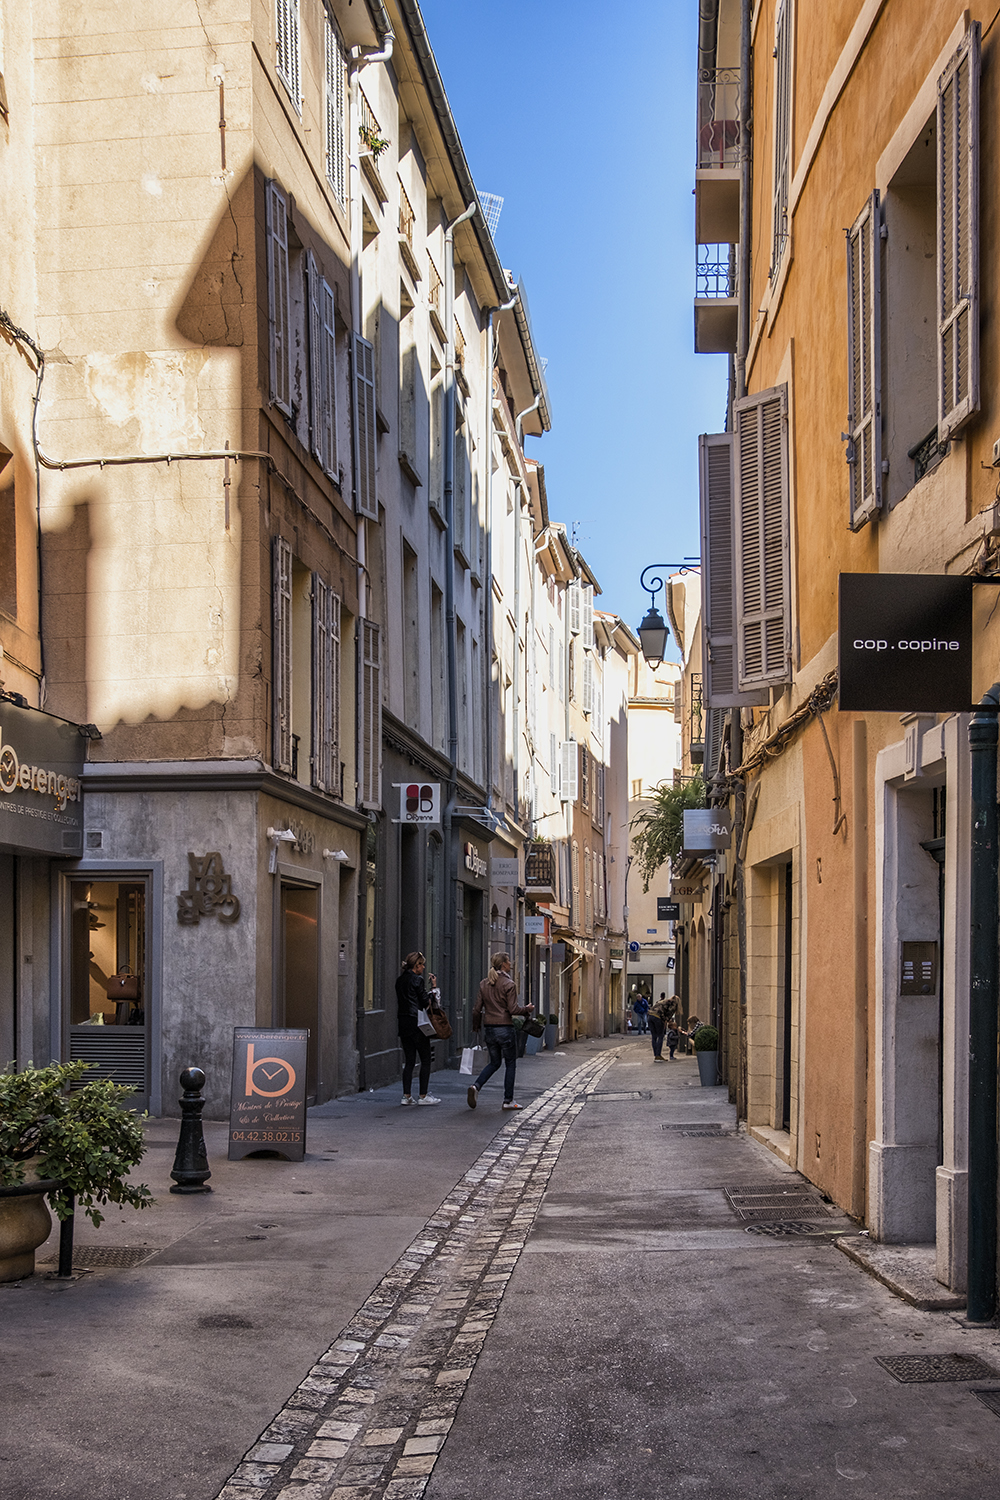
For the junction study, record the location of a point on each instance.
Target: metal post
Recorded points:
(191, 1167)
(66, 1241)
(984, 974)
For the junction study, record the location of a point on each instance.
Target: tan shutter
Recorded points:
(277, 296)
(336, 114)
(763, 633)
(365, 430)
(282, 654)
(958, 236)
(864, 366)
(369, 715)
(718, 579)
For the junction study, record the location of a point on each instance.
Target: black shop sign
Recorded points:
(667, 910)
(905, 643)
(268, 1110)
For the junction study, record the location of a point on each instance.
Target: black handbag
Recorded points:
(533, 1027)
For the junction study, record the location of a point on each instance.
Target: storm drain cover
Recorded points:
(716, 1135)
(990, 1399)
(762, 1205)
(910, 1369)
(703, 1127)
(778, 1228)
(115, 1257)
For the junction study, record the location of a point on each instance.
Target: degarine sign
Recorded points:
(905, 643)
(41, 793)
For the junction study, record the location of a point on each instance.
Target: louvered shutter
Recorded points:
(552, 658)
(958, 236)
(569, 786)
(277, 296)
(587, 615)
(718, 600)
(335, 784)
(763, 634)
(321, 683)
(864, 365)
(588, 683)
(365, 430)
(281, 645)
(554, 765)
(574, 607)
(714, 718)
(328, 380)
(336, 114)
(369, 715)
(315, 354)
(782, 132)
(287, 38)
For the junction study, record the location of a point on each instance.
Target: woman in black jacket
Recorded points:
(411, 997)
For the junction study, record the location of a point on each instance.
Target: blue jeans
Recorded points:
(501, 1044)
(657, 1029)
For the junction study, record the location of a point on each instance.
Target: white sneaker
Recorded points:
(428, 1099)
(406, 1099)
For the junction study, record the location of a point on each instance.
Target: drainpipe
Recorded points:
(488, 580)
(451, 864)
(984, 977)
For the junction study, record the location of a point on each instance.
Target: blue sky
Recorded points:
(582, 119)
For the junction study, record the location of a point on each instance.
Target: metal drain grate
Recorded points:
(911, 1369)
(621, 1098)
(716, 1135)
(762, 1205)
(990, 1399)
(778, 1228)
(703, 1127)
(115, 1257)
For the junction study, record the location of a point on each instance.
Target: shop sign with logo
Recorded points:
(41, 791)
(686, 891)
(617, 952)
(905, 643)
(268, 1110)
(706, 829)
(667, 910)
(474, 861)
(419, 801)
(534, 926)
(504, 871)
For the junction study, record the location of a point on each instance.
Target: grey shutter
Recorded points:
(782, 132)
(281, 645)
(369, 715)
(336, 114)
(315, 354)
(326, 687)
(958, 236)
(287, 39)
(714, 719)
(763, 627)
(328, 380)
(277, 296)
(365, 430)
(864, 364)
(718, 599)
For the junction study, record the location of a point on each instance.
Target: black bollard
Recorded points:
(66, 1243)
(191, 1161)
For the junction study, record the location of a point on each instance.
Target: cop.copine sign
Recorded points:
(905, 643)
(41, 798)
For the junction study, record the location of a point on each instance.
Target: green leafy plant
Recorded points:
(553, 1020)
(79, 1133)
(376, 143)
(706, 1039)
(658, 831)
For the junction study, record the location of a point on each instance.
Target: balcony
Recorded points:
(373, 143)
(406, 223)
(721, 151)
(540, 870)
(716, 305)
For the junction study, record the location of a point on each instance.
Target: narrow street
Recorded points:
(578, 1312)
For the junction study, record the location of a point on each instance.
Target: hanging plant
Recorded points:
(376, 143)
(658, 831)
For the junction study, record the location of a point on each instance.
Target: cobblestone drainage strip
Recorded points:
(912, 1369)
(112, 1257)
(372, 1415)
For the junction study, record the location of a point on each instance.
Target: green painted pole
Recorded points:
(984, 987)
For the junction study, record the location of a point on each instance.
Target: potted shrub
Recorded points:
(706, 1047)
(552, 1033)
(61, 1139)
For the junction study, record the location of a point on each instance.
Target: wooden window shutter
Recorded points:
(718, 600)
(326, 687)
(336, 114)
(588, 683)
(552, 658)
(287, 38)
(369, 715)
(782, 132)
(574, 607)
(328, 380)
(569, 787)
(554, 765)
(277, 296)
(958, 236)
(281, 645)
(315, 354)
(714, 719)
(365, 429)
(864, 364)
(763, 627)
(335, 783)
(587, 615)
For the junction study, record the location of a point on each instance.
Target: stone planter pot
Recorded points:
(708, 1067)
(551, 1037)
(533, 1044)
(25, 1223)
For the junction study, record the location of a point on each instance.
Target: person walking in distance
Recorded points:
(411, 998)
(657, 1026)
(497, 1004)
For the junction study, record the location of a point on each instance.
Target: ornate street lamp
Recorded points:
(653, 632)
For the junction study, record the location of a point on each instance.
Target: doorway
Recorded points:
(297, 1000)
(109, 982)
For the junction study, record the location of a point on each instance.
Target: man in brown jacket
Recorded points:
(497, 1004)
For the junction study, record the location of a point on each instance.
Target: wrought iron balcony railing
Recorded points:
(720, 141)
(715, 272)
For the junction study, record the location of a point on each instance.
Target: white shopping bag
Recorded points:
(468, 1063)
